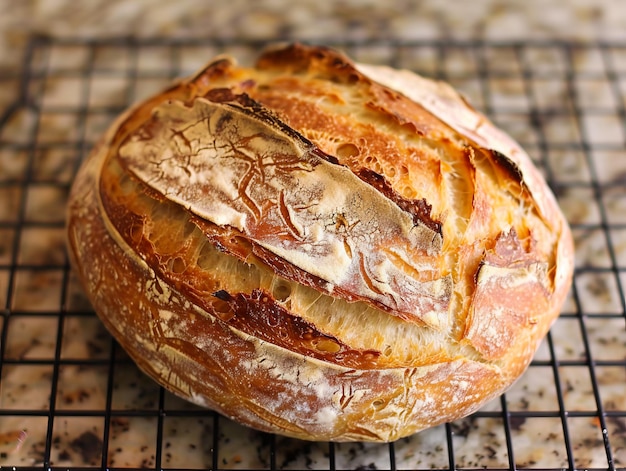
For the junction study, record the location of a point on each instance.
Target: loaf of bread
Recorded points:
(318, 248)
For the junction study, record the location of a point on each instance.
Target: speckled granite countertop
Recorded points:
(304, 20)
(69, 397)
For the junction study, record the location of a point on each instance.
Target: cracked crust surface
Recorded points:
(317, 248)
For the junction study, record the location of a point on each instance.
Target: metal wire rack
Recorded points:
(71, 399)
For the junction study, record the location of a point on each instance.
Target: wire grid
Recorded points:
(69, 396)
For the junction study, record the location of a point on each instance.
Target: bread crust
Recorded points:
(320, 249)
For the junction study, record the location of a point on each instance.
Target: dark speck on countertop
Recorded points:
(89, 445)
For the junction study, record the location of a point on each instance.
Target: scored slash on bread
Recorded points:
(317, 248)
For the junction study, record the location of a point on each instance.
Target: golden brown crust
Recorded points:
(320, 249)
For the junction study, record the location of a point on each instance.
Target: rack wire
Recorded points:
(71, 399)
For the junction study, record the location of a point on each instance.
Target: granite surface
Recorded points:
(304, 20)
(566, 106)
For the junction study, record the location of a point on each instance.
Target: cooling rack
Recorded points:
(71, 399)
